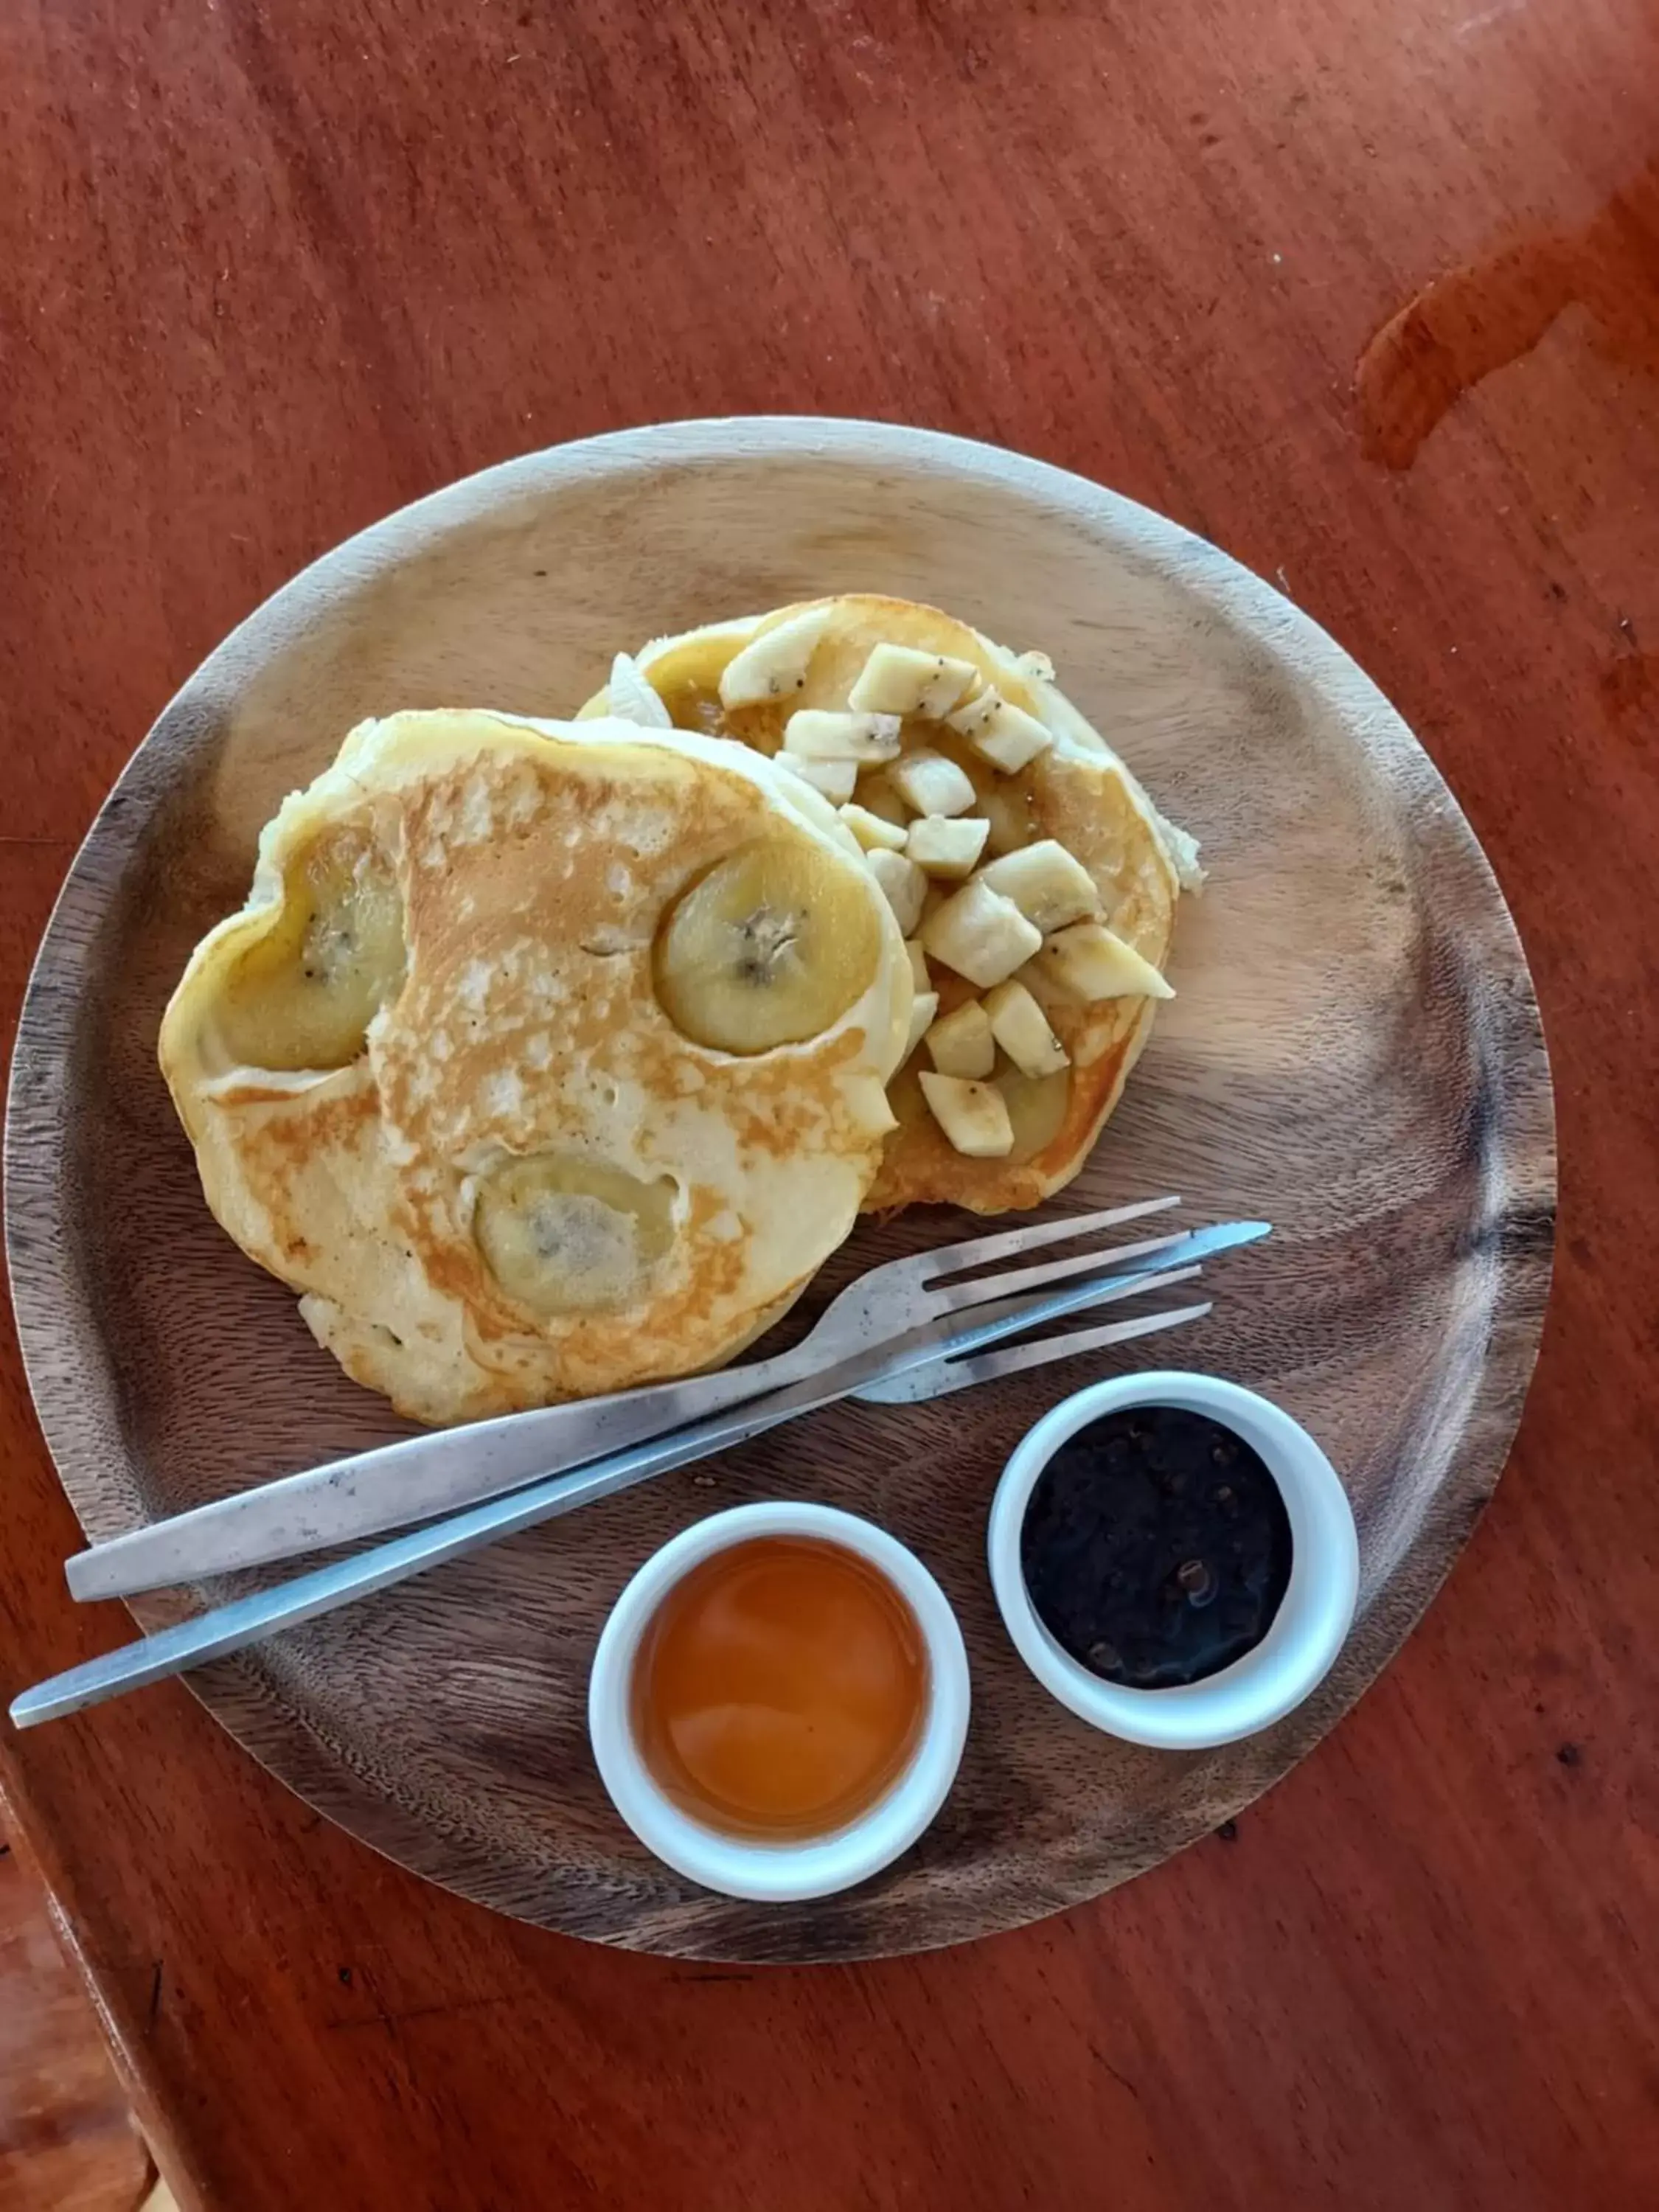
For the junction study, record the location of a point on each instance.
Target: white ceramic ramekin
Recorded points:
(1307, 1631)
(737, 1865)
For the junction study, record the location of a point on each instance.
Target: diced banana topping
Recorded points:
(981, 934)
(973, 1115)
(816, 733)
(930, 784)
(962, 1043)
(774, 664)
(1038, 1106)
(1088, 962)
(631, 697)
(972, 883)
(1046, 883)
(1022, 1028)
(1003, 734)
(873, 833)
(903, 885)
(896, 679)
(947, 846)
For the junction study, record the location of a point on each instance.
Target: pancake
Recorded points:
(540, 1061)
(1075, 790)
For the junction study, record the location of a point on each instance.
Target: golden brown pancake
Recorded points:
(1077, 791)
(542, 1060)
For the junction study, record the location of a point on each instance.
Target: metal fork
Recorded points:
(247, 1620)
(395, 1486)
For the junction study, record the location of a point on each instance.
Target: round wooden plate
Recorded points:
(1354, 1053)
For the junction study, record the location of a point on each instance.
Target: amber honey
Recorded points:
(779, 1689)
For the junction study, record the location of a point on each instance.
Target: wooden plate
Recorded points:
(1355, 1054)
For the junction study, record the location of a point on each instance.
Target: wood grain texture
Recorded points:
(67, 2141)
(1353, 1054)
(266, 274)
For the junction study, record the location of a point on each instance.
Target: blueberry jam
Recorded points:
(1156, 1547)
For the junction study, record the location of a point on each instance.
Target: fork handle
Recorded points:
(246, 1620)
(394, 1485)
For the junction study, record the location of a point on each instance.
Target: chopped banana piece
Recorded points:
(961, 1044)
(1037, 1107)
(902, 882)
(772, 664)
(898, 680)
(918, 952)
(630, 697)
(1049, 886)
(816, 734)
(1088, 962)
(923, 1008)
(1013, 741)
(836, 778)
(973, 1115)
(845, 842)
(975, 714)
(930, 784)
(980, 934)
(1021, 1028)
(947, 846)
(873, 833)
(1036, 667)
(1005, 735)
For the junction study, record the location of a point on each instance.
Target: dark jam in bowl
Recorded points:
(1156, 1547)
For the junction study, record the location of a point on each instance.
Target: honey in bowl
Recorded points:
(779, 1690)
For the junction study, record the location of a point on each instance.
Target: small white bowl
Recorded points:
(735, 1865)
(1306, 1632)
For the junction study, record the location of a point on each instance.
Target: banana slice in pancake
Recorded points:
(542, 1060)
(1039, 772)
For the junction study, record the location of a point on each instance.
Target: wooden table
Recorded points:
(268, 270)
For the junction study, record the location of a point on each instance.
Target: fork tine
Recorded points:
(979, 1251)
(942, 1376)
(957, 1296)
(1109, 1295)
(950, 1336)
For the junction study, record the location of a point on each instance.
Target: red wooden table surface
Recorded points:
(1369, 295)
